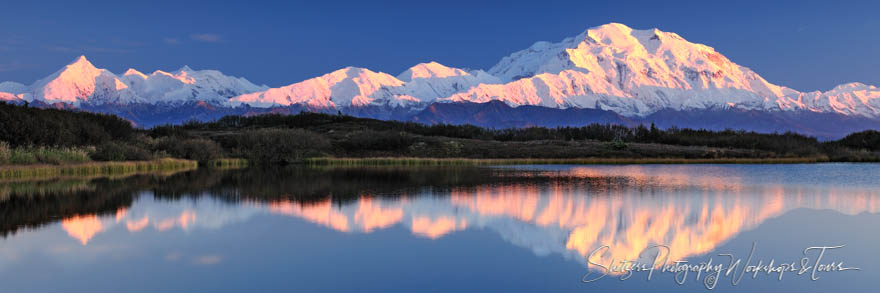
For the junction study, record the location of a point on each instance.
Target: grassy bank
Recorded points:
(94, 169)
(478, 162)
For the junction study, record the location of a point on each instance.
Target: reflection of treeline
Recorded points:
(282, 139)
(31, 205)
(21, 209)
(312, 184)
(305, 184)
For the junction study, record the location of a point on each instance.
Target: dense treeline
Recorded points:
(282, 139)
(867, 140)
(356, 136)
(600, 132)
(26, 126)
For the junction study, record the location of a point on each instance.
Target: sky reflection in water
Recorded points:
(211, 224)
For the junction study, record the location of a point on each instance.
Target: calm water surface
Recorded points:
(512, 229)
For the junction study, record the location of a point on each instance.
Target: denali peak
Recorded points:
(631, 72)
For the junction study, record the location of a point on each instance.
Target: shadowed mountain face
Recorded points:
(499, 115)
(496, 114)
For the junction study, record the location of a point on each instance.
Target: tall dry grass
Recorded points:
(43, 155)
(94, 169)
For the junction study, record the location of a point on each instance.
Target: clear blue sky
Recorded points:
(807, 45)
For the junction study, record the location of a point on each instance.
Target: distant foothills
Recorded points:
(611, 74)
(31, 135)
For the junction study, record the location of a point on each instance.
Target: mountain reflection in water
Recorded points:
(563, 210)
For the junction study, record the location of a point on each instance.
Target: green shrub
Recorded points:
(387, 140)
(617, 144)
(198, 149)
(277, 146)
(115, 151)
(5, 152)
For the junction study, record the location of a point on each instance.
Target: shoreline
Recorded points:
(411, 161)
(93, 169)
(124, 168)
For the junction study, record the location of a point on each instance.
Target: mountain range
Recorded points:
(607, 74)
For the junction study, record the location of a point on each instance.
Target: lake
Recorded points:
(555, 228)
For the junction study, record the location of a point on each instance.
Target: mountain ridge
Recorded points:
(633, 73)
(80, 83)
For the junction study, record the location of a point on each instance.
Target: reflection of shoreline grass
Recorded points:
(527, 161)
(42, 187)
(229, 163)
(94, 169)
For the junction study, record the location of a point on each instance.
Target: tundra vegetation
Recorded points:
(32, 136)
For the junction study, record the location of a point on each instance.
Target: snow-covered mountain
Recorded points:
(433, 81)
(8, 97)
(358, 87)
(634, 73)
(12, 87)
(639, 72)
(80, 83)
(9, 90)
(347, 87)
(187, 85)
(640, 75)
(852, 99)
